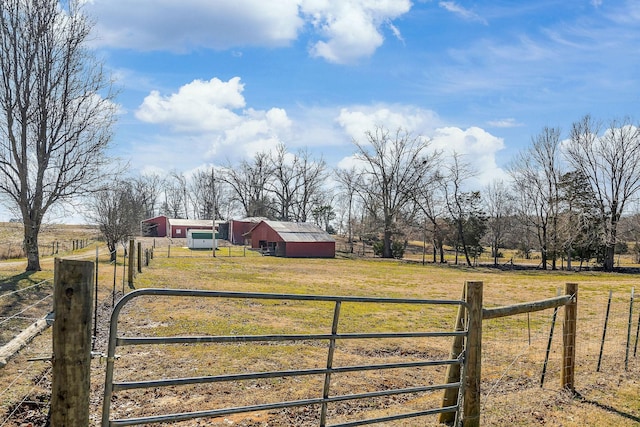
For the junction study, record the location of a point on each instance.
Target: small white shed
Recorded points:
(201, 239)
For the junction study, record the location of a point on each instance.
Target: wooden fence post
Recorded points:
(139, 257)
(569, 338)
(132, 252)
(471, 412)
(73, 293)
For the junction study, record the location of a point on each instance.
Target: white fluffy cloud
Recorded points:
(351, 29)
(213, 111)
(213, 123)
(359, 119)
(476, 146)
(342, 31)
(197, 106)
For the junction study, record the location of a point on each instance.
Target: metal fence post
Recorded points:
(569, 338)
(132, 250)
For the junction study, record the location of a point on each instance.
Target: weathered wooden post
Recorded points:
(471, 411)
(139, 257)
(569, 338)
(132, 250)
(73, 292)
(450, 397)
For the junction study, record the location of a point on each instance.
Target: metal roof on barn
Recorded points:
(190, 222)
(299, 231)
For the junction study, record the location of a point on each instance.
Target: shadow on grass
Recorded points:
(11, 283)
(608, 408)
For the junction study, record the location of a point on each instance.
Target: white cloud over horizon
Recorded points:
(213, 119)
(213, 112)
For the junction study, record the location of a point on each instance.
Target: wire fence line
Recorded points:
(504, 354)
(27, 308)
(7, 294)
(22, 402)
(19, 308)
(515, 349)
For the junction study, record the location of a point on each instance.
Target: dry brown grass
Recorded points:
(511, 367)
(54, 239)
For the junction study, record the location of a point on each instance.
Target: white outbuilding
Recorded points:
(201, 239)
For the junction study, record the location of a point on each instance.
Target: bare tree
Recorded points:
(56, 111)
(347, 180)
(462, 206)
(611, 164)
(536, 173)
(498, 202)
(430, 202)
(206, 194)
(175, 196)
(310, 193)
(296, 183)
(286, 182)
(394, 167)
(147, 189)
(117, 213)
(248, 183)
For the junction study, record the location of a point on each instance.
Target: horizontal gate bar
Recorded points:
(293, 297)
(398, 417)
(118, 386)
(121, 341)
(280, 405)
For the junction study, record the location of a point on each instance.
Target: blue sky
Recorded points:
(214, 81)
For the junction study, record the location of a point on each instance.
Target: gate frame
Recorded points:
(115, 341)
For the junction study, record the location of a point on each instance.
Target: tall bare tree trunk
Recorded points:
(31, 231)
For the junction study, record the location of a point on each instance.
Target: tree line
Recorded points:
(565, 197)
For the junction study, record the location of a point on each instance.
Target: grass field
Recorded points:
(513, 348)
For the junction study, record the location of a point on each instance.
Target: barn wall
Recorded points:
(161, 222)
(237, 229)
(263, 232)
(311, 249)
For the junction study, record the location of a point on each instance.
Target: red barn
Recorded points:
(238, 229)
(154, 227)
(292, 240)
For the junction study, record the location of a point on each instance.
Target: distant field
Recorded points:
(54, 239)
(512, 358)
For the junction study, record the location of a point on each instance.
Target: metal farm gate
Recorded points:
(330, 338)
